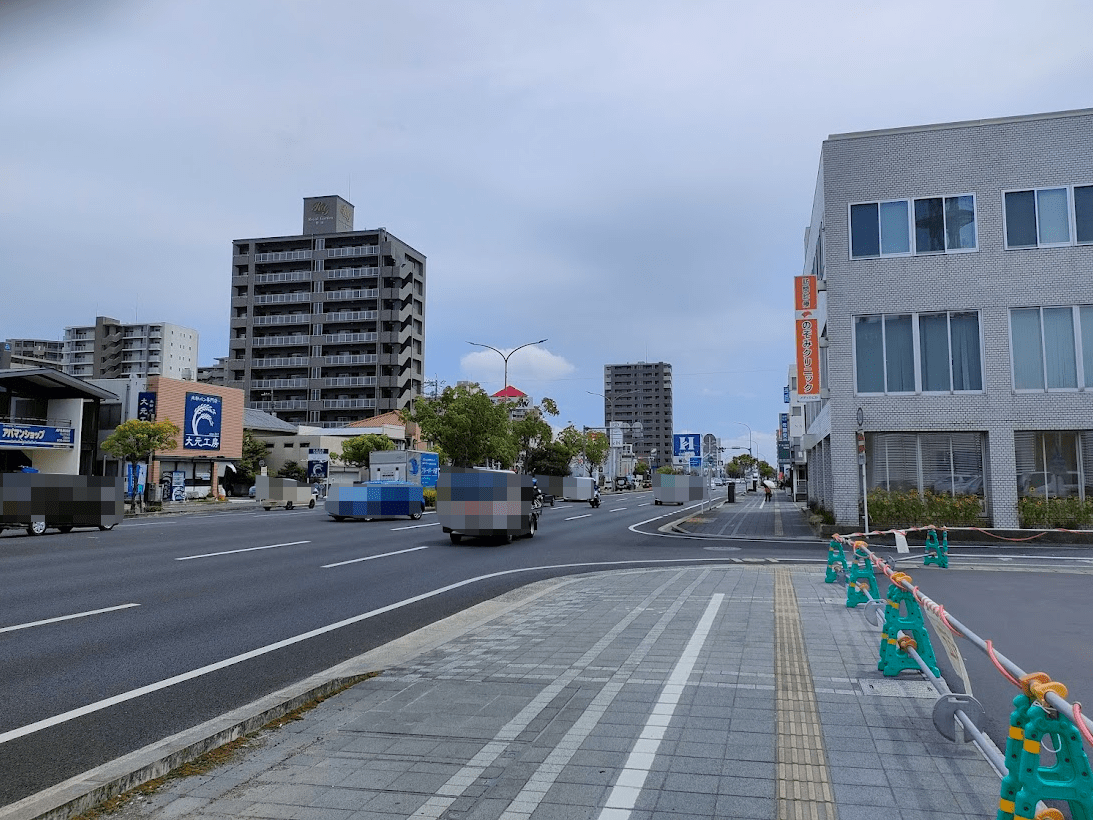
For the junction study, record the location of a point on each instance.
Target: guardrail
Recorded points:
(1040, 712)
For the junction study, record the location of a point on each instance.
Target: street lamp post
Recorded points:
(506, 356)
(607, 425)
(751, 447)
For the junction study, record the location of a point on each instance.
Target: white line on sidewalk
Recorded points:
(623, 797)
(248, 549)
(370, 557)
(90, 708)
(67, 617)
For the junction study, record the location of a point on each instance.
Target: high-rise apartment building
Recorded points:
(327, 326)
(112, 350)
(33, 353)
(641, 393)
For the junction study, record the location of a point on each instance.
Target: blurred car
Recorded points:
(250, 492)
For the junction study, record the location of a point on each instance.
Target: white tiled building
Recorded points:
(955, 264)
(110, 349)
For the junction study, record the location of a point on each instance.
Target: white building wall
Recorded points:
(984, 158)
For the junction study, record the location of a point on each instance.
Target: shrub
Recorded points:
(1036, 512)
(888, 510)
(429, 494)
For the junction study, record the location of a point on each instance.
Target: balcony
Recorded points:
(280, 341)
(356, 250)
(288, 276)
(290, 404)
(283, 256)
(346, 404)
(350, 315)
(350, 381)
(359, 358)
(282, 298)
(336, 295)
(278, 384)
(290, 361)
(338, 338)
(291, 319)
(352, 273)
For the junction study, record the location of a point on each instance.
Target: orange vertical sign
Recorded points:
(804, 293)
(808, 361)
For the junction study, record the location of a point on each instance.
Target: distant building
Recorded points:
(110, 349)
(517, 401)
(641, 394)
(33, 353)
(214, 374)
(328, 324)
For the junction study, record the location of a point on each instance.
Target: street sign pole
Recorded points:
(864, 486)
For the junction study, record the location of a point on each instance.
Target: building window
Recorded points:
(1051, 464)
(945, 224)
(1052, 348)
(943, 463)
(1042, 217)
(879, 229)
(909, 353)
(941, 225)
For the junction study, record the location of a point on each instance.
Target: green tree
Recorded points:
(550, 459)
(594, 447)
(293, 470)
(134, 441)
(532, 434)
(357, 450)
(466, 426)
(641, 468)
(254, 451)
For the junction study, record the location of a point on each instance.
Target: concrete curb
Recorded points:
(80, 793)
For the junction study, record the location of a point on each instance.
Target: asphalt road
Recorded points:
(230, 595)
(197, 615)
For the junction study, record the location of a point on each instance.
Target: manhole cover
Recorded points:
(898, 688)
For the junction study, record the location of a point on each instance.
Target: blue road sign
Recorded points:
(687, 445)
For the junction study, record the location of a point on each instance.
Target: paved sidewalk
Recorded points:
(718, 691)
(751, 516)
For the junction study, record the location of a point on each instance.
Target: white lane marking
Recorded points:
(623, 797)
(248, 549)
(370, 557)
(645, 503)
(64, 717)
(415, 526)
(575, 517)
(617, 509)
(66, 617)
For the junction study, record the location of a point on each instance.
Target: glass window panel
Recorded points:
(899, 354)
(960, 222)
(933, 345)
(1051, 208)
(1028, 450)
(1061, 453)
(1020, 219)
(1028, 358)
(929, 226)
(869, 354)
(895, 236)
(1085, 316)
(864, 230)
(967, 360)
(1062, 366)
(893, 461)
(1083, 213)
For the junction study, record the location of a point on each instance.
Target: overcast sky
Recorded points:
(629, 179)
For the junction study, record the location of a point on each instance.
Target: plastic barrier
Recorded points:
(1040, 711)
